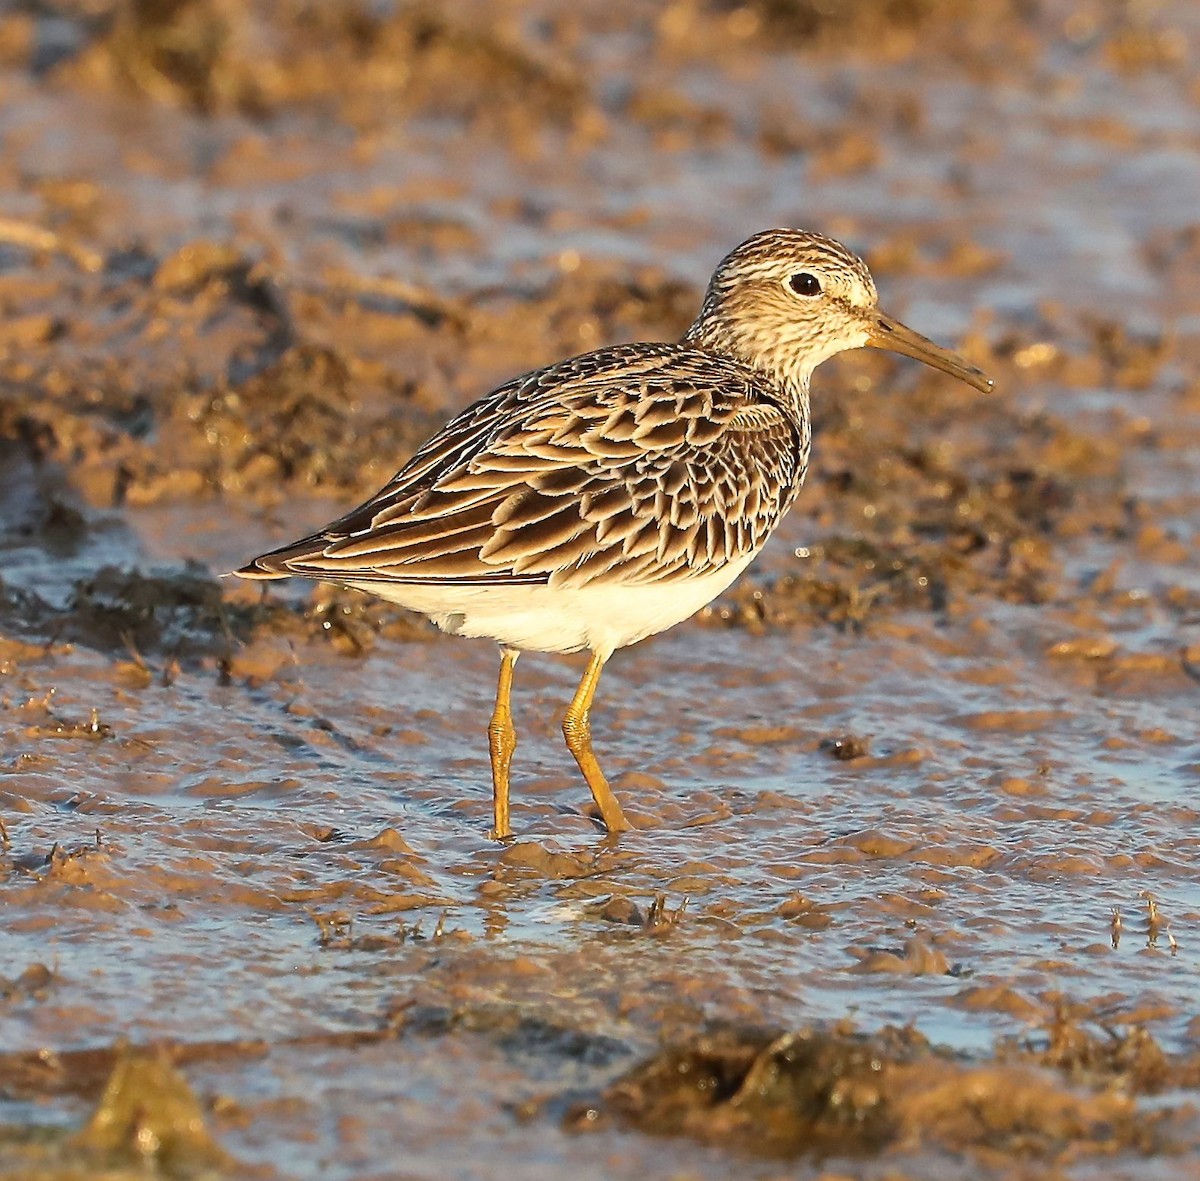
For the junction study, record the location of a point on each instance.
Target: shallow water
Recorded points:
(229, 827)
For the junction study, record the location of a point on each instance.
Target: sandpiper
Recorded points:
(603, 499)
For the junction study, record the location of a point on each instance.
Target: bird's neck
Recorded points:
(780, 367)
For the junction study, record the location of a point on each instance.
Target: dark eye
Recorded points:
(805, 284)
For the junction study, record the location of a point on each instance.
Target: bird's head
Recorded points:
(785, 300)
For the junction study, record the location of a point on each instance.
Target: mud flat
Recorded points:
(914, 886)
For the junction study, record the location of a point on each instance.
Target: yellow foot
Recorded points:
(577, 730)
(502, 741)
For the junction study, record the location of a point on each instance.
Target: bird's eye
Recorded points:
(805, 284)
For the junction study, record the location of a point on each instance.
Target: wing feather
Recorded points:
(638, 462)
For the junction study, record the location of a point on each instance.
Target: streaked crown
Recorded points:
(784, 301)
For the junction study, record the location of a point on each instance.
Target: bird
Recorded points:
(602, 499)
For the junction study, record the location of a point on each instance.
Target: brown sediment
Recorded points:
(1071, 1092)
(149, 1115)
(840, 1093)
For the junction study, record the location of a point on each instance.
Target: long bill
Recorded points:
(887, 333)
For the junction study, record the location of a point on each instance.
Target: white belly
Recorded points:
(600, 618)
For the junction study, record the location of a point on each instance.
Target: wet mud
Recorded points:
(914, 883)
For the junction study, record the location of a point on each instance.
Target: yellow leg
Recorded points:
(577, 730)
(502, 741)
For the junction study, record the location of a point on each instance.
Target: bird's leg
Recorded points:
(502, 741)
(577, 730)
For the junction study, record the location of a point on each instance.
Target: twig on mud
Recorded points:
(658, 918)
(35, 237)
(419, 300)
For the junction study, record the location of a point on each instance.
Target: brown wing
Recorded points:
(642, 461)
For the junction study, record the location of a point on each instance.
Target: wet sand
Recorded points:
(914, 886)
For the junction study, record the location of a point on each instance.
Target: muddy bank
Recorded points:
(1067, 1095)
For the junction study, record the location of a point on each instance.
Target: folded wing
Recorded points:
(627, 462)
